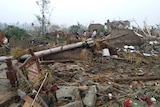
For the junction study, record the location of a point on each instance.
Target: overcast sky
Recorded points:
(69, 12)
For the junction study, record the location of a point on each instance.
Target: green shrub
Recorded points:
(18, 33)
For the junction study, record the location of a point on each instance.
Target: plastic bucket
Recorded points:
(106, 52)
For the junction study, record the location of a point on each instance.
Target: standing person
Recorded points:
(109, 29)
(94, 34)
(57, 38)
(77, 35)
(84, 33)
(88, 34)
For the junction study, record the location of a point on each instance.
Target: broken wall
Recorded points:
(99, 27)
(130, 39)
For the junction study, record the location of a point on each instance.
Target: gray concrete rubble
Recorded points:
(67, 92)
(90, 97)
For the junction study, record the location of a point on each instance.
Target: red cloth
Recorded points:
(3, 38)
(127, 102)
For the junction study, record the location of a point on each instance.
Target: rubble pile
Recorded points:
(151, 47)
(129, 80)
(107, 83)
(86, 74)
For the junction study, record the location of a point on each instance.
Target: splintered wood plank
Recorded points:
(29, 101)
(26, 104)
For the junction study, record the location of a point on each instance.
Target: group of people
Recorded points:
(85, 34)
(88, 34)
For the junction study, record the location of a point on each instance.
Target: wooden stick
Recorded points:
(140, 28)
(39, 89)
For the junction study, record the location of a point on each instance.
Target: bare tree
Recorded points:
(46, 11)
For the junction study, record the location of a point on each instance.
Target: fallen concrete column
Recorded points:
(74, 104)
(90, 98)
(59, 49)
(52, 50)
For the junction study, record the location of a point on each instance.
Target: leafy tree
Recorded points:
(76, 28)
(18, 33)
(101, 29)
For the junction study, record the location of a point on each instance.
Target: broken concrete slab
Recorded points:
(90, 97)
(67, 91)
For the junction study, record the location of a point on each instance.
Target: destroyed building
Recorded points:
(105, 72)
